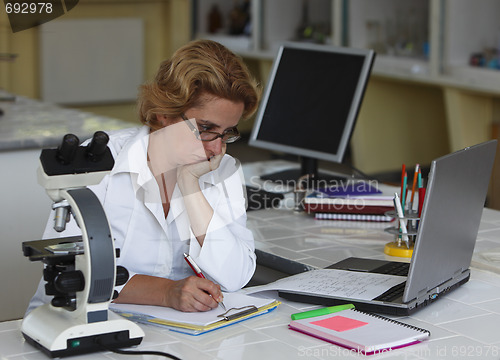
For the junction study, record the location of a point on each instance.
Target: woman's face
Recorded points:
(214, 115)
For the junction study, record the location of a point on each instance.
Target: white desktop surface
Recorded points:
(465, 323)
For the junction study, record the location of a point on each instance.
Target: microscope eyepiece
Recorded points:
(67, 150)
(97, 146)
(69, 158)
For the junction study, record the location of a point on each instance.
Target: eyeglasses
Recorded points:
(227, 137)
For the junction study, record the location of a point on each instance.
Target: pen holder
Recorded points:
(299, 196)
(399, 247)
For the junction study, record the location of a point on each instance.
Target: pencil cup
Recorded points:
(299, 192)
(299, 196)
(405, 233)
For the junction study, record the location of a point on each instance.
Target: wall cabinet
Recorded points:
(414, 38)
(437, 57)
(271, 23)
(471, 32)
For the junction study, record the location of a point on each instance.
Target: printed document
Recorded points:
(334, 282)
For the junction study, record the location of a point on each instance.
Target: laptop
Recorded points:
(451, 214)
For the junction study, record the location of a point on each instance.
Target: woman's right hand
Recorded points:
(189, 294)
(192, 294)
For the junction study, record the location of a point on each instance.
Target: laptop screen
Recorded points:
(454, 202)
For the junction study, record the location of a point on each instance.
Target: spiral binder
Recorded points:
(395, 322)
(364, 332)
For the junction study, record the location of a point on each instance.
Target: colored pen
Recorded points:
(405, 190)
(402, 223)
(421, 198)
(196, 269)
(421, 193)
(403, 172)
(415, 177)
(198, 272)
(322, 311)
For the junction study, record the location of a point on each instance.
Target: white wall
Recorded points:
(23, 216)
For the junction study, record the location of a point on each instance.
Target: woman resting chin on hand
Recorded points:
(174, 190)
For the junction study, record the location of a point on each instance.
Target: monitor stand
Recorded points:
(308, 166)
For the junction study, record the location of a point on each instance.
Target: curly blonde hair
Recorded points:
(197, 68)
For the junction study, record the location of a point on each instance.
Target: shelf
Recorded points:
(237, 43)
(391, 27)
(398, 66)
(421, 73)
(428, 41)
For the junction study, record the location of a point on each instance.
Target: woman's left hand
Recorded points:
(199, 210)
(201, 168)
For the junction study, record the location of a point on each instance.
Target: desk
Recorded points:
(29, 123)
(464, 324)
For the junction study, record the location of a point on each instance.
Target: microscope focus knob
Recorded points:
(69, 282)
(121, 275)
(62, 301)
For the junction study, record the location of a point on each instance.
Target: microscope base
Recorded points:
(64, 337)
(88, 344)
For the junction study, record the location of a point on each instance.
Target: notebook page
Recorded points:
(334, 282)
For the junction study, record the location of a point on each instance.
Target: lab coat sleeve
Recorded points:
(227, 256)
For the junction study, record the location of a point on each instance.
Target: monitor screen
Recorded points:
(311, 101)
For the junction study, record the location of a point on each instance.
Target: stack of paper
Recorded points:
(359, 197)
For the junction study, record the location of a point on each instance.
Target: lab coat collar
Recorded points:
(133, 157)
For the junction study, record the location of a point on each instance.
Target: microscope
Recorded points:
(80, 271)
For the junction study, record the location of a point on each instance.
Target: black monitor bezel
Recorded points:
(336, 156)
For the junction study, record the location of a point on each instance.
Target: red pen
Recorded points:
(198, 273)
(421, 199)
(193, 266)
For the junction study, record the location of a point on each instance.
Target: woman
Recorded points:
(174, 190)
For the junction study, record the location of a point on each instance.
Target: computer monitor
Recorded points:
(311, 103)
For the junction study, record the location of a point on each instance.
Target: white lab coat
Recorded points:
(152, 245)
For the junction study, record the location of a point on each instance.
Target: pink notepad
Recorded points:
(339, 323)
(366, 333)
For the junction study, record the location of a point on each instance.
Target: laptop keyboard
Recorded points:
(393, 293)
(393, 268)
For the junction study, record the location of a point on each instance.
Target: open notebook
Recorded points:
(239, 307)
